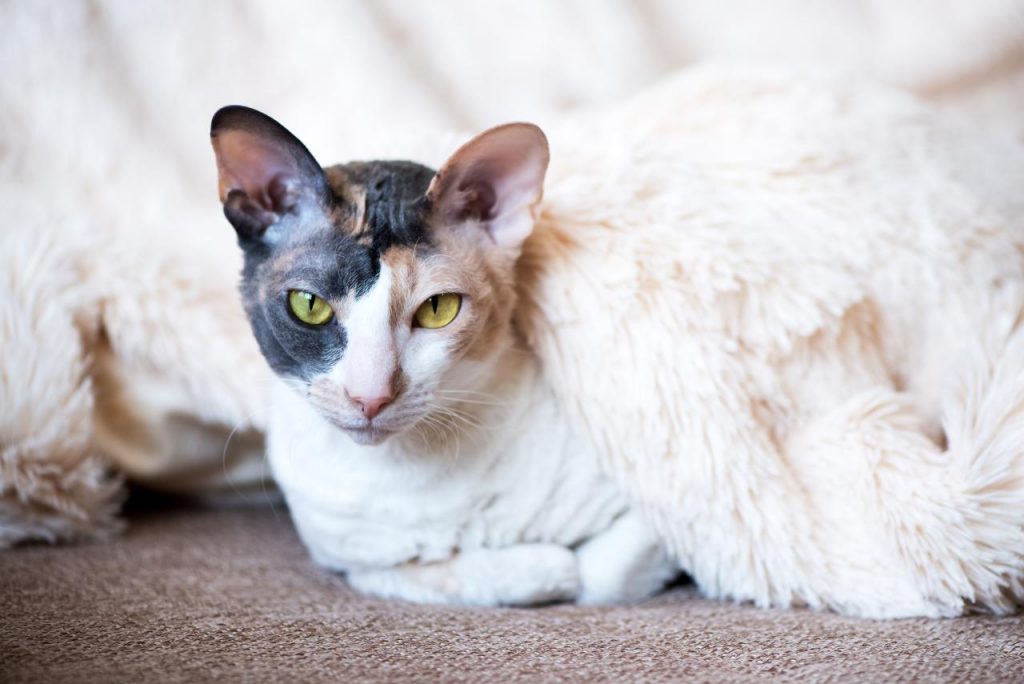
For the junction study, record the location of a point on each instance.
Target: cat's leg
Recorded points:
(520, 575)
(625, 563)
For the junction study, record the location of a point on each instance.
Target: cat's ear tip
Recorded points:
(523, 133)
(224, 117)
(235, 116)
(524, 127)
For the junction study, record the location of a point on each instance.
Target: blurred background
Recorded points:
(101, 100)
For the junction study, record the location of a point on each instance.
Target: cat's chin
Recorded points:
(367, 436)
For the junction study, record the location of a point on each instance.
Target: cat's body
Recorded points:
(783, 316)
(504, 471)
(428, 464)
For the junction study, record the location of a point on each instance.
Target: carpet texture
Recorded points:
(190, 595)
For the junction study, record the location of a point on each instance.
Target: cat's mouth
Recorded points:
(361, 430)
(369, 432)
(368, 435)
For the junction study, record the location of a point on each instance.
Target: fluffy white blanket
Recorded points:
(788, 312)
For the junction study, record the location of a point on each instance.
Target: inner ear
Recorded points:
(264, 172)
(497, 179)
(475, 197)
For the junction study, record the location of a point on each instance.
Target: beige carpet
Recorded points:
(230, 594)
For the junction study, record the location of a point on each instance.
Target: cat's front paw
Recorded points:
(533, 574)
(623, 564)
(521, 575)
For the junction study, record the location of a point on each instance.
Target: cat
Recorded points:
(783, 315)
(413, 435)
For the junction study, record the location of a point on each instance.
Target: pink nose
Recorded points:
(371, 406)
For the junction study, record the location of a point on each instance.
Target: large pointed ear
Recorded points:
(265, 173)
(497, 179)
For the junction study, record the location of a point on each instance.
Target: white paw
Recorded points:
(522, 575)
(624, 564)
(528, 574)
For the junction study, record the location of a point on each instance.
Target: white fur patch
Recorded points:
(371, 358)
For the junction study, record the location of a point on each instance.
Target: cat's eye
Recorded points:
(438, 311)
(309, 308)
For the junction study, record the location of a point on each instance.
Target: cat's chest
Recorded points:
(373, 506)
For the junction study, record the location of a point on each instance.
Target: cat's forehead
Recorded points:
(379, 213)
(381, 204)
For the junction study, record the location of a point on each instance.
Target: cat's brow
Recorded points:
(308, 274)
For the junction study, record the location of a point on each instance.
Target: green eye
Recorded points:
(309, 308)
(438, 311)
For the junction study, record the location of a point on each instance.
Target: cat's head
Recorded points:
(379, 290)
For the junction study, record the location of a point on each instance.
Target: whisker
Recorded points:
(465, 395)
(452, 390)
(465, 416)
(247, 419)
(459, 424)
(477, 402)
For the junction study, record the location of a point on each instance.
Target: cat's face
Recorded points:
(381, 291)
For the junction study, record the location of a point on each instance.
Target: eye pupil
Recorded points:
(309, 308)
(438, 310)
